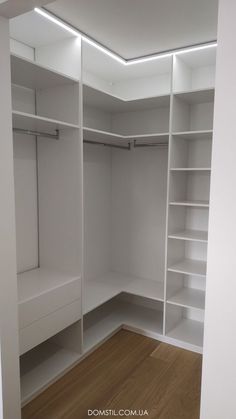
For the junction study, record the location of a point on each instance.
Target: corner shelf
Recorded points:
(96, 135)
(108, 286)
(191, 235)
(27, 121)
(189, 298)
(32, 75)
(108, 319)
(100, 136)
(189, 267)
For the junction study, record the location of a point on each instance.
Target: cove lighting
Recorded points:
(197, 48)
(57, 21)
(111, 54)
(106, 51)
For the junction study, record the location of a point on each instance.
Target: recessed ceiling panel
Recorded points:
(134, 28)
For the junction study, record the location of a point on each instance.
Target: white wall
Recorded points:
(219, 366)
(139, 179)
(8, 283)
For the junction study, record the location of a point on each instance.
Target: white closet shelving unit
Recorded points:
(188, 195)
(127, 108)
(46, 120)
(112, 179)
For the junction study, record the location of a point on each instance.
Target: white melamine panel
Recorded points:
(191, 235)
(26, 202)
(97, 119)
(59, 103)
(135, 88)
(60, 205)
(193, 203)
(10, 389)
(188, 297)
(27, 73)
(138, 212)
(193, 111)
(219, 360)
(97, 211)
(63, 56)
(190, 331)
(111, 284)
(26, 121)
(42, 365)
(191, 154)
(22, 50)
(111, 103)
(141, 122)
(189, 186)
(102, 322)
(189, 267)
(23, 99)
(41, 292)
(100, 136)
(42, 329)
(194, 70)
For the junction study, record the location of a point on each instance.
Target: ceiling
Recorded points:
(134, 28)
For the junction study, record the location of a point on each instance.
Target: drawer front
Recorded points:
(42, 305)
(48, 326)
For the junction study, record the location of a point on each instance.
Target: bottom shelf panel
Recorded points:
(41, 366)
(102, 322)
(189, 331)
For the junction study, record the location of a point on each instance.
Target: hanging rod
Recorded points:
(37, 133)
(136, 145)
(108, 145)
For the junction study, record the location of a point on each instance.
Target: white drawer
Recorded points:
(41, 330)
(43, 292)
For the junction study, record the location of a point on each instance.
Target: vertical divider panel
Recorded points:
(168, 193)
(60, 176)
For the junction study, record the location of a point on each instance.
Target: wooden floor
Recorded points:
(129, 371)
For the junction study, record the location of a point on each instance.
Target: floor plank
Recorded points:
(129, 371)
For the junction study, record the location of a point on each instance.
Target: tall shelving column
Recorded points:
(189, 169)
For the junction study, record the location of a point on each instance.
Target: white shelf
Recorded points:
(30, 74)
(37, 282)
(190, 169)
(96, 135)
(106, 320)
(189, 267)
(147, 288)
(189, 298)
(150, 138)
(104, 288)
(194, 135)
(190, 331)
(41, 366)
(26, 121)
(111, 103)
(196, 96)
(195, 203)
(191, 235)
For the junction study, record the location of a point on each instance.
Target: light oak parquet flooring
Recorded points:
(128, 371)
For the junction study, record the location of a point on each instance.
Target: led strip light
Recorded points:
(113, 55)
